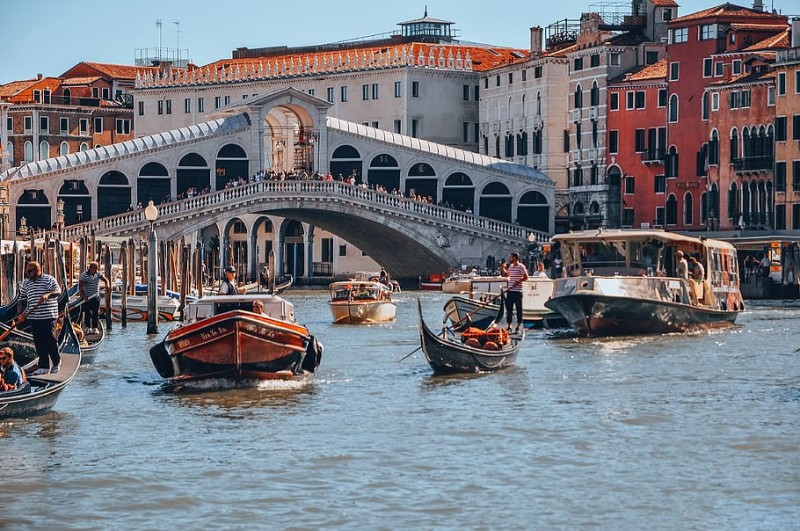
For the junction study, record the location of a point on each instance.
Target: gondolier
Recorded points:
(40, 292)
(89, 286)
(517, 273)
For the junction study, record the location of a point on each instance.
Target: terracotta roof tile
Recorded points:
(654, 71)
(80, 80)
(727, 10)
(665, 3)
(563, 51)
(781, 40)
(117, 71)
(483, 57)
(10, 89)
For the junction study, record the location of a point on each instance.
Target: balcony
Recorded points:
(754, 164)
(653, 156)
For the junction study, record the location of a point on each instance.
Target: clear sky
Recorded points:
(50, 36)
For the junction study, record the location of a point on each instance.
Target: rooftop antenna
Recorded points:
(426, 10)
(158, 25)
(178, 35)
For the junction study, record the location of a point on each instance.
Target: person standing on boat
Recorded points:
(10, 374)
(40, 292)
(89, 287)
(228, 286)
(682, 267)
(698, 271)
(517, 273)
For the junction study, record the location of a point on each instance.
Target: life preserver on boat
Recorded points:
(497, 335)
(313, 355)
(473, 333)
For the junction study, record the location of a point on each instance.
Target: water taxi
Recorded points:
(354, 302)
(628, 282)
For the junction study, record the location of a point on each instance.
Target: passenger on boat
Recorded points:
(363, 292)
(258, 307)
(11, 375)
(384, 278)
(698, 271)
(228, 286)
(540, 271)
(682, 268)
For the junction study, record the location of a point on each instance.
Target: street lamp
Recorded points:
(60, 217)
(151, 215)
(23, 226)
(4, 209)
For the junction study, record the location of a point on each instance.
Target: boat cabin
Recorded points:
(274, 306)
(355, 291)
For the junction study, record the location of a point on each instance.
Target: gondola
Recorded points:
(449, 354)
(89, 342)
(39, 393)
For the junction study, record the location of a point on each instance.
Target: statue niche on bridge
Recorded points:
(441, 239)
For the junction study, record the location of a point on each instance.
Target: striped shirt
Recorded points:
(31, 292)
(516, 274)
(90, 283)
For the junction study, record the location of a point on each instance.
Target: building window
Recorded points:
(578, 64)
(707, 65)
(796, 127)
(311, 92)
(169, 106)
(98, 125)
(673, 108)
(627, 217)
(83, 126)
(398, 87)
(715, 101)
(666, 15)
(44, 150)
(465, 93)
(217, 102)
(674, 71)
(364, 92)
(640, 99)
(476, 93)
(524, 74)
(771, 96)
(343, 250)
(796, 82)
(718, 69)
(613, 102)
(343, 93)
(781, 83)
(497, 81)
(44, 125)
(680, 35)
(63, 125)
(187, 105)
(397, 126)
(141, 108)
(227, 101)
(780, 176)
(375, 91)
(329, 94)
(537, 72)
(594, 60)
(707, 32)
(511, 78)
(639, 141)
(650, 57)
(613, 59)
(486, 82)
(662, 97)
(796, 176)
(123, 127)
(160, 107)
(688, 214)
(415, 88)
(201, 105)
(415, 128)
(660, 184)
(796, 216)
(780, 129)
(613, 141)
(465, 132)
(63, 149)
(736, 67)
(10, 123)
(630, 185)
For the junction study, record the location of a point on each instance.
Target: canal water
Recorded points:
(669, 432)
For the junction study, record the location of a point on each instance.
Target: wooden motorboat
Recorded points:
(622, 282)
(136, 307)
(224, 338)
(473, 350)
(39, 393)
(481, 303)
(359, 302)
(432, 283)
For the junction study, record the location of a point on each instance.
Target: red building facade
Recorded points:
(697, 44)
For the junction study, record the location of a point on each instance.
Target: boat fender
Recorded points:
(472, 342)
(161, 360)
(313, 355)
(491, 345)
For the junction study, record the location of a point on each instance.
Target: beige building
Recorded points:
(787, 134)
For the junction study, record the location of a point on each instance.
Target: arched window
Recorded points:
(509, 145)
(28, 151)
(63, 149)
(44, 150)
(713, 148)
(595, 95)
(10, 151)
(672, 210)
(538, 103)
(84, 147)
(704, 108)
(734, 145)
(673, 108)
(578, 97)
(733, 203)
(523, 105)
(688, 213)
(508, 110)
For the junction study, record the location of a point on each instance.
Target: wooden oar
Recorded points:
(409, 354)
(481, 306)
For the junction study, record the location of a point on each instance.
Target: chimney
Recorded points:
(758, 5)
(39, 76)
(536, 40)
(796, 32)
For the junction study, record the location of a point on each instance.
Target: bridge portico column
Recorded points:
(309, 253)
(279, 257)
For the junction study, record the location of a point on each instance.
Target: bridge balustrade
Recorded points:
(133, 221)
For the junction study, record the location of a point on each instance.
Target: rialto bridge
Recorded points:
(208, 181)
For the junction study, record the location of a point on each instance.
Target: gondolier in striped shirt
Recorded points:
(40, 293)
(89, 286)
(516, 273)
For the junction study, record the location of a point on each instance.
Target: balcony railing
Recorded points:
(753, 164)
(653, 156)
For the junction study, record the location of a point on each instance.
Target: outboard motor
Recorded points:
(313, 355)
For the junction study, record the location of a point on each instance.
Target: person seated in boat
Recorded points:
(11, 374)
(363, 292)
(228, 286)
(540, 272)
(258, 307)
